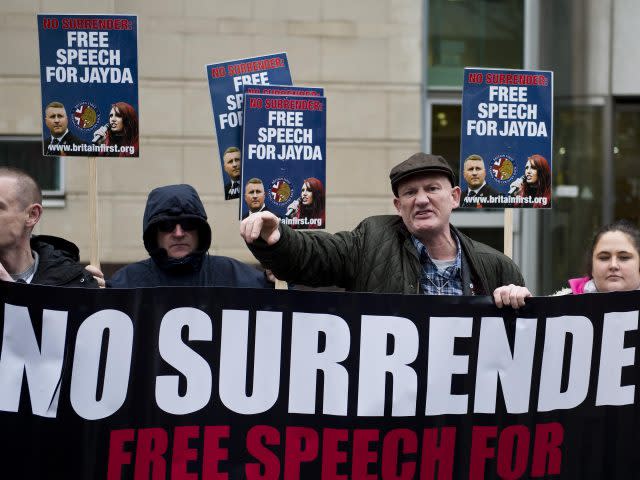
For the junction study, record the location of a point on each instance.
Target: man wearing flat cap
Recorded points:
(417, 251)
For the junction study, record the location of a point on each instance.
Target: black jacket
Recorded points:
(231, 192)
(378, 256)
(58, 263)
(173, 202)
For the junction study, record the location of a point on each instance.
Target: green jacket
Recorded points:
(378, 256)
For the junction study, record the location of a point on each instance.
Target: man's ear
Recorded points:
(396, 203)
(456, 193)
(34, 212)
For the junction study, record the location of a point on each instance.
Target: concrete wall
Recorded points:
(365, 53)
(626, 55)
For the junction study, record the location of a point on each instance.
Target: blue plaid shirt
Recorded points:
(434, 282)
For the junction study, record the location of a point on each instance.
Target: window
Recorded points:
(472, 33)
(578, 182)
(445, 133)
(26, 153)
(626, 159)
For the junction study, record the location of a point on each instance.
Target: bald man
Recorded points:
(43, 259)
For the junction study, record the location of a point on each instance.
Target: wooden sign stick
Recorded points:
(93, 213)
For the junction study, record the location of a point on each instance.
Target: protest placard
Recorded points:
(226, 80)
(284, 90)
(253, 383)
(506, 138)
(89, 82)
(284, 166)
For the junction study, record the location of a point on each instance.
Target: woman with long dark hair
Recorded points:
(311, 204)
(537, 181)
(121, 131)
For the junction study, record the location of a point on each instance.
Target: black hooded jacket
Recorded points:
(58, 263)
(181, 202)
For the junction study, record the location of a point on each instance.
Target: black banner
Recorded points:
(215, 383)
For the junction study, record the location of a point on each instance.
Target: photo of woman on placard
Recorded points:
(309, 208)
(536, 182)
(121, 133)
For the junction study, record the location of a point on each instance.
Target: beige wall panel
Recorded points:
(120, 227)
(404, 63)
(203, 49)
(356, 114)
(242, 9)
(73, 6)
(19, 6)
(159, 164)
(407, 12)
(241, 27)
(160, 54)
(20, 21)
(404, 116)
(145, 8)
(76, 171)
(598, 44)
(19, 53)
(275, 10)
(361, 11)
(202, 169)
(161, 111)
(302, 53)
(356, 170)
(626, 54)
(20, 110)
(323, 29)
(377, 30)
(197, 116)
(355, 60)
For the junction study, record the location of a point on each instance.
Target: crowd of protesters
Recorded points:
(417, 251)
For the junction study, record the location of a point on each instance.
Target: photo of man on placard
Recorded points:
(475, 174)
(232, 166)
(56, 120)
(254, 197)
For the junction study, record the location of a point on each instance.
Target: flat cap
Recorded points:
(420, 163)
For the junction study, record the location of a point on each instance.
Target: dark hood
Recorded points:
(65, 247)
(169, 203)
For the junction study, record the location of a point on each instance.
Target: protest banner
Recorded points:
(242, 383)
(284, 146)
(506, 138)
(89, 82)
(226, 81)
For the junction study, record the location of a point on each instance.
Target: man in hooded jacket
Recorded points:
(177, 236)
